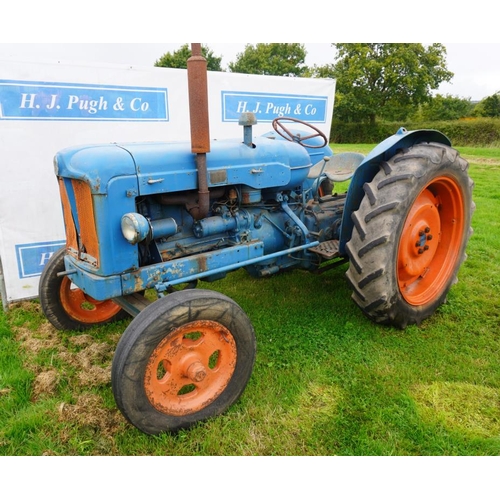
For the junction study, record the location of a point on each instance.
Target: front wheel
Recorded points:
(410, 234)
(185, 358)
(66, 306)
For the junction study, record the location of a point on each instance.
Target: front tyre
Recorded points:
(66, 306)
(185, 358)
(410, 234)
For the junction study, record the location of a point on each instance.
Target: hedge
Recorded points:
(478, 132)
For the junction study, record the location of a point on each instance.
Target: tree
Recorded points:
(280, 59)
(386, 80)
(178, 58)
(489, 107)
(445, 108)
(315, 71)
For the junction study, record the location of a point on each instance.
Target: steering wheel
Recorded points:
(280, 129)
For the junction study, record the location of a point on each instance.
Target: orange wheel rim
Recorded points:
(430, 242)
(190, 367)
(84, 308)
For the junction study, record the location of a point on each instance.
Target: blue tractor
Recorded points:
(164, 216)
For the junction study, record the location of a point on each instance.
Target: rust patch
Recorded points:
(202, 263)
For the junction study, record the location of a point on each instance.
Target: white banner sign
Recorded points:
(45, 107)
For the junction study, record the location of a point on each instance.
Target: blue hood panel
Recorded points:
(171, 167)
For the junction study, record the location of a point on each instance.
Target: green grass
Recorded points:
(326, 381)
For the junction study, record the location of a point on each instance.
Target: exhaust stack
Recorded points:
(200, 132)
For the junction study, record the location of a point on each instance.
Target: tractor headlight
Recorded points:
(135, 227)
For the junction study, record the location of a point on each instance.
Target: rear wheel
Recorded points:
(185, 358)
(66, 306)
(410, 234)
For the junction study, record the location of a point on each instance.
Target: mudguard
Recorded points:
(370, 166)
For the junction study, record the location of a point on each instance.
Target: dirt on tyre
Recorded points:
(410, 234)
(185, 358)
(67, 307)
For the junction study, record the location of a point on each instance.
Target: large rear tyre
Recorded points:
(185, 358)
(410, 234)
(66, 306)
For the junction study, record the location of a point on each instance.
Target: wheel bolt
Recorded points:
(420, 233)
(420, 250)
(426, 247)
(427, 229)
(429, 237)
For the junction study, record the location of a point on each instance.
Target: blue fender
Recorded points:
(370, 166)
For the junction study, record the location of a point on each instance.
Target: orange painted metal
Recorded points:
(88, 233)
(84, 308)
(71, 241)
(190, 367)
(430, 241)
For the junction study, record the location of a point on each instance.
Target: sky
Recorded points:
(109, 32)
(476, 66)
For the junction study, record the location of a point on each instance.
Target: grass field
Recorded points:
(326, 380)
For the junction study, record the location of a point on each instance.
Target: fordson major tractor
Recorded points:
(164, 216)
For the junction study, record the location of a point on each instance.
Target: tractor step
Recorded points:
(328, 249)
(133, 303)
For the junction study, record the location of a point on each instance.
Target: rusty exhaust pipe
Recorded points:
(200, 133)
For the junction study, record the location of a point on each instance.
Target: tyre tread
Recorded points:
(373, 246)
